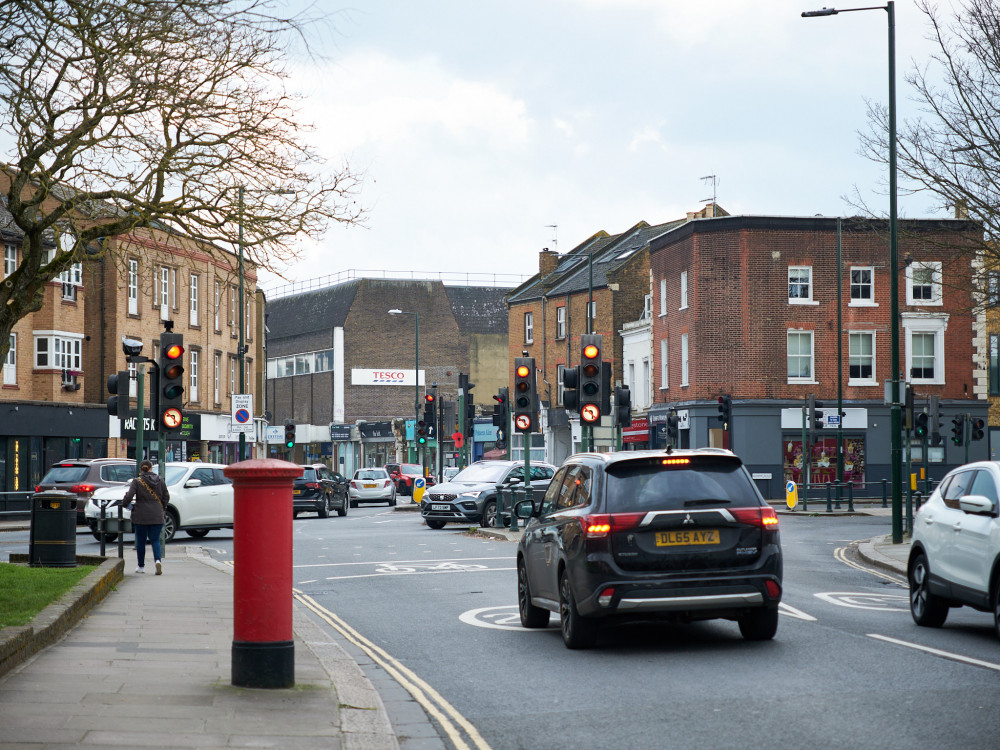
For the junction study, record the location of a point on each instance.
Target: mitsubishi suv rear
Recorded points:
(680, 535)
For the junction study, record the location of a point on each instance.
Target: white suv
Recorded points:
(201, 499)
(955, 553)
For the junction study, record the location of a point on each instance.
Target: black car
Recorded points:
(471, 496)
(319, 490)
(680, 535)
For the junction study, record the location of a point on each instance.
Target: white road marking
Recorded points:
(862, 600)
(501, 618)
(790, 611)
(938, 652)
(403, 562)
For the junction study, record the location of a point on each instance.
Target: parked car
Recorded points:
(680, 535)
(201, 500)
(319, 490)
(84, 476)
(372, 485)
(404, 474)
(471, 496)
(448, 473)
(955, 550)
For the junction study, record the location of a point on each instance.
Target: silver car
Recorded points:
(372, 486)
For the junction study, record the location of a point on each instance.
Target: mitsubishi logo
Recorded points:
(688, 520)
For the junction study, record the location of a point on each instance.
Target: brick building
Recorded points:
(53, 390)
(341, 367)
(746, 306)
(548, 314)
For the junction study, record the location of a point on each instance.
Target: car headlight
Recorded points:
(470, 494)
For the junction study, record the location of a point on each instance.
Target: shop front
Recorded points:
(377, 443)
(636, 436)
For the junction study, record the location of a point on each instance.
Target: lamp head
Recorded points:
(820, 12)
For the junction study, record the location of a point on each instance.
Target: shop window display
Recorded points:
(824, 461)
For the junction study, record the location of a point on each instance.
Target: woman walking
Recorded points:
(151, 495)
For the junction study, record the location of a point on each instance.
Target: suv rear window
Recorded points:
(308, 474)
(698, 482)
(66, 474)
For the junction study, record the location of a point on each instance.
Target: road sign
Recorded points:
(243, 413)
(418, 488)
(791, 495)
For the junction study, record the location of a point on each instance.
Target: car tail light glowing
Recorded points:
(675, 461)
(312, 485)
(763, 516)
(605, 597)
(82, 489)
(602, 524)
(38, 488)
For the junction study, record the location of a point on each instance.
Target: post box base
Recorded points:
(263, 665)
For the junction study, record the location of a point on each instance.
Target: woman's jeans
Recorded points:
(144, 531)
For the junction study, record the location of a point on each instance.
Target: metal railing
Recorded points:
(15, 503)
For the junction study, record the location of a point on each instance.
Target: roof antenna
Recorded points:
(555, 236)
(715, 186)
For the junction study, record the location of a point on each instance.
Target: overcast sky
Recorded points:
(479, 124)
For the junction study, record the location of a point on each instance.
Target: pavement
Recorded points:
(149, 666)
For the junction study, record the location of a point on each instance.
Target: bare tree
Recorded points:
(153, 113)
(952, 149)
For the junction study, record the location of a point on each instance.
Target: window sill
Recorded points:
(862, 383)
(925, 303)
(862, 304)
(792, 381)
(803, 302)
(681, 309)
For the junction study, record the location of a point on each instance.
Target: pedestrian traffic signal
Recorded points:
(591, 377)
(726, 411)
(525, 413)
(978, 428)
(118, 387)
(958, 430)
(908, 408)
(500, 408)
(623, 406)
(171, 387)
(570, 383)
(921, 423)
(289, 435)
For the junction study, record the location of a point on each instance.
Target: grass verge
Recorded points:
(25, 591)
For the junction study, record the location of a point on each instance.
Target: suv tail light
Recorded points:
(83, 489)
(763, 516)
(353, 484)
(312, 486)
(599, 525)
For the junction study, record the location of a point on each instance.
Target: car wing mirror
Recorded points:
(193, 483)
(525, 509)
(977, 504)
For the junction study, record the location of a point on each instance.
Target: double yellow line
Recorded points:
(453, 723)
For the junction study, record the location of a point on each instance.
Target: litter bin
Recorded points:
(52, 539)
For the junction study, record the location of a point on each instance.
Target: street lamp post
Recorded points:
(416, 367)
(241, 354)
(895, 418)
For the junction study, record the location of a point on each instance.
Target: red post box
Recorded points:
(263, 645)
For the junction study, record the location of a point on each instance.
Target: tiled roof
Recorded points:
(478, 309)
(321, 310)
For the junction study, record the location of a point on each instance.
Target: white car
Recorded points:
(371, 486)
(955, 553)
(201, 500)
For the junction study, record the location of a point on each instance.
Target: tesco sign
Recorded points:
(385, 377)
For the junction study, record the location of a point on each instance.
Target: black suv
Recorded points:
(319, 490)
(470, 497)
(82, 476)
(680, 535)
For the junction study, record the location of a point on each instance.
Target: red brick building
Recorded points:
(747, 306)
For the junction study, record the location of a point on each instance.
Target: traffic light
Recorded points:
(814, 417)
(422, 432)
(468, 419)
(978, 428)
(289, 435)
(591, 378)
(623, 406)
(430, 413)
(500, 408)
(171, 395)
(908, 409)
(525, 415)
(726, 411)
(571, 381)
(921, 423)
(958, 430)
(934, 421)
(673, 427)
(118, 387)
